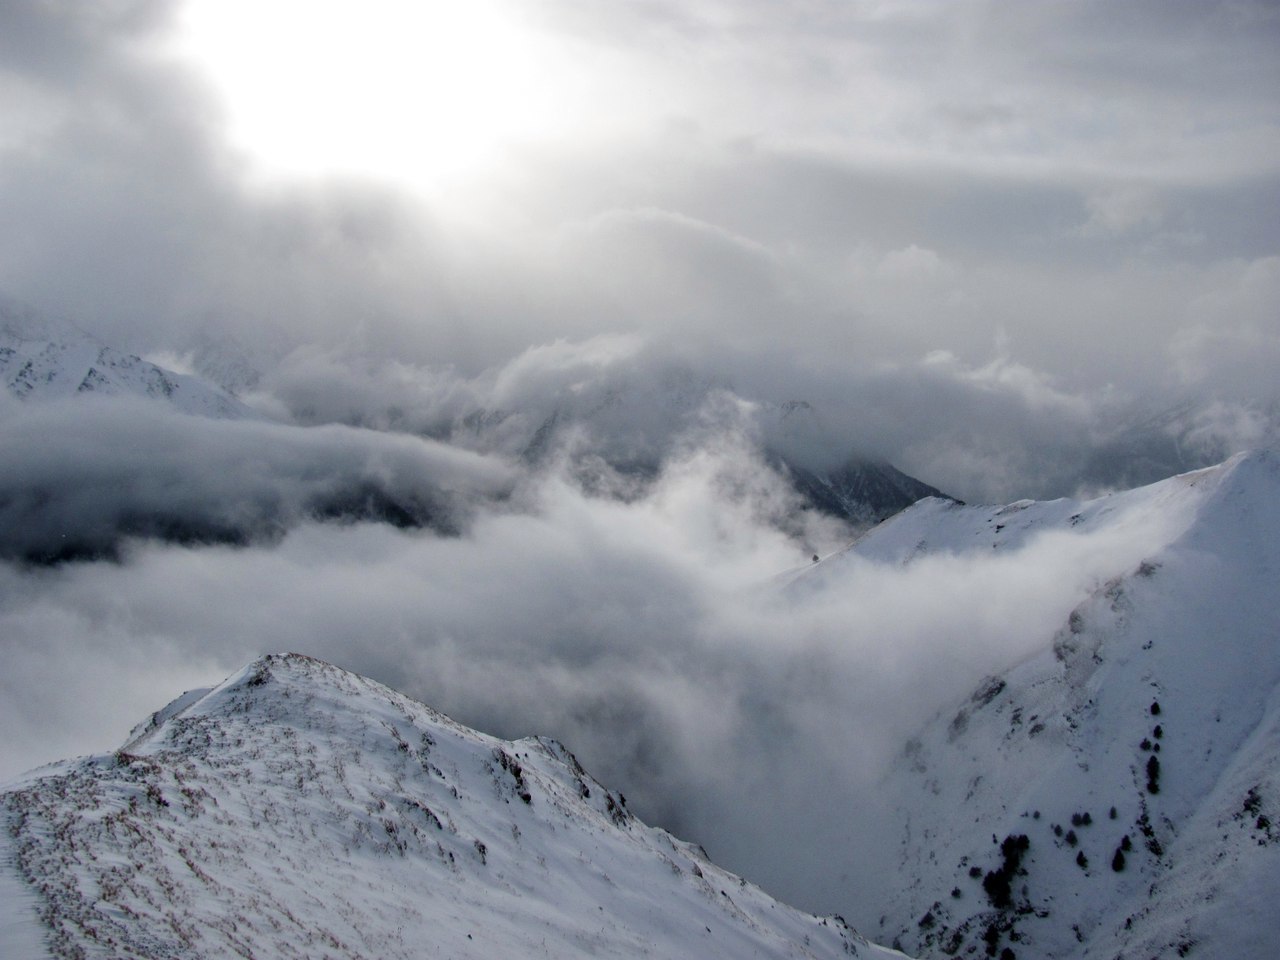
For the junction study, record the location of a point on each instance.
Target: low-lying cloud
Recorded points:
(988, 431)
(654, 637)
(80, 477)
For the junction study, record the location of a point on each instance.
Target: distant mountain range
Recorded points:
(297, 810)
(616, 445)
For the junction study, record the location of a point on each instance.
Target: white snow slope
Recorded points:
(1138, 754)
(298, 810)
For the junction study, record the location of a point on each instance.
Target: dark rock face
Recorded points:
(862, 492)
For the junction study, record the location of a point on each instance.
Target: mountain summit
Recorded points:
(300, 810)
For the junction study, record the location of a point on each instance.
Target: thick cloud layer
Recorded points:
(922, 219)
(984, 432)
(80, 477)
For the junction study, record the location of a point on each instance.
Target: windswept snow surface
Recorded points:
(22, 935)
(1118, 794)
(298, 810)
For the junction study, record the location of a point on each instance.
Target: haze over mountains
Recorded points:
(984, 284)
(613, 435)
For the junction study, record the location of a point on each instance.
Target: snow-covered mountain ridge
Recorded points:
(938, 525)
(300, 810)
(1114, 795)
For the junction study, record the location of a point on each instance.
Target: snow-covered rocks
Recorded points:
(300, 810)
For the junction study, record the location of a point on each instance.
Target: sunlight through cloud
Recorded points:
(415, 92)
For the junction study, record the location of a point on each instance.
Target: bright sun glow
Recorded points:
(425, 92)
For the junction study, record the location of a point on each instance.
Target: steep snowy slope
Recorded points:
(1117, 794)
(300, 810)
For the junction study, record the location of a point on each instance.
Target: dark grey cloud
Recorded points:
(1045, 81)
(60, 41)
(82, 477)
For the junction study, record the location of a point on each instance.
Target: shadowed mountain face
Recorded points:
(87, 475)
(861, 492)
(300, 810)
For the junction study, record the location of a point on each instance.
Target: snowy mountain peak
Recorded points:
(1115, 794)
(43, 359)
(297, 809)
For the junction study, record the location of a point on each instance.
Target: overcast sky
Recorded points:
(1003, 245)
(1012, 223)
